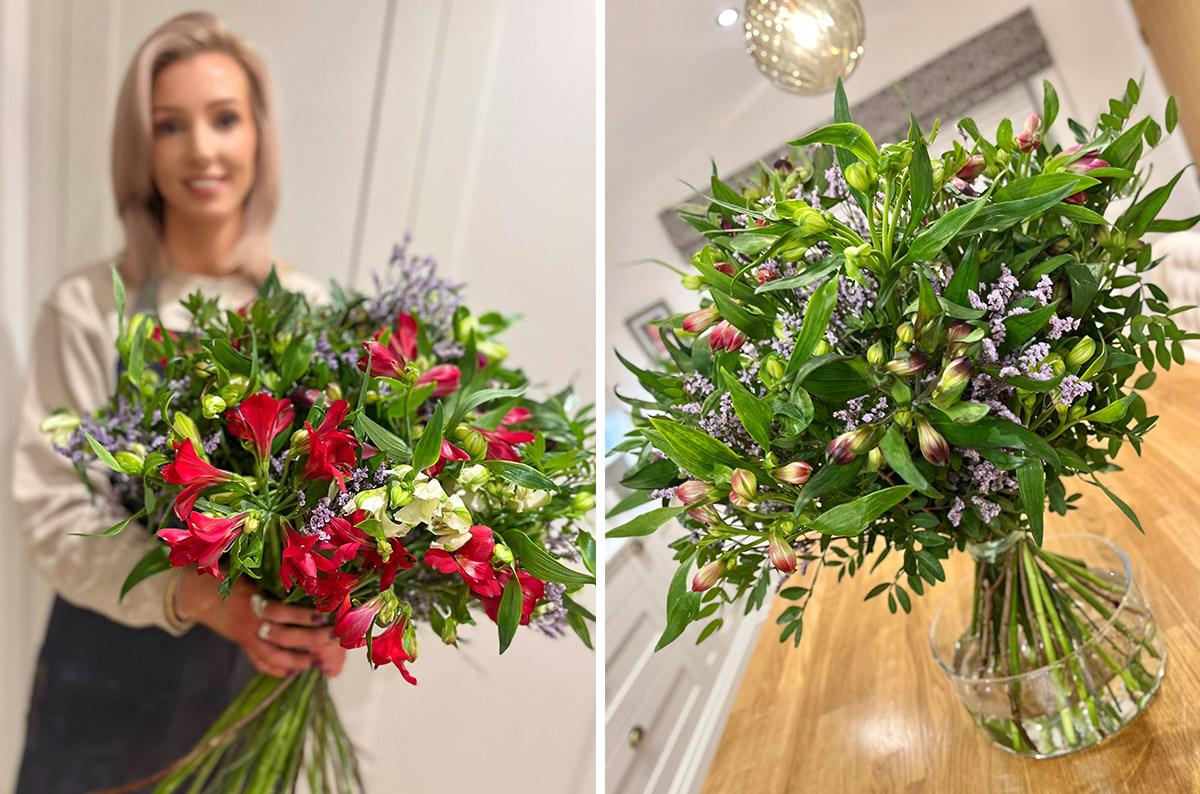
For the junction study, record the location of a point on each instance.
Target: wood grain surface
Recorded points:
(861, 706)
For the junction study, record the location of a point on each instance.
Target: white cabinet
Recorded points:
(664, 711)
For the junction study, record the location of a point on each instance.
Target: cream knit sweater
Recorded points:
(74, 365)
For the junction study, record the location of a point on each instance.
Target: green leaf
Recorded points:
(1080, 214)
(899, 457)
(1148, 208)
(646, 523)
(576, 622)
(103, 454)
(966, 277)
(990, 433)
(1113, 412)
(682, 605)
(229, 358)
(854, 517)
(482, 396)
(632, 500)
(509, 616)
(154, 562)
(920, 176)
(1127, 148)
(1171, 120)
(832, 379)
(828, 478)
(696, 452)
(814, 272)
(966, 413)
(1132, 516)
(118, 296)
(1020, 328)
(429, 445)
(1173, 226)
(115, 528)
(537, 561)
(1043, 184)
(297, 359)
(650, 476)
(753, 413)
(816, 320)
(755, 325)
(709, 629)
(521, 474)
(930, 242)
(1049, 104)
(1000, 216)
(1032, 481)
(388, 442)
(848, 136)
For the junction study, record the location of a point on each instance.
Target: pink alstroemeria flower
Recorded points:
(259, 419)
(351, 627)
(390, 361)
(203, 542)
(190, 470)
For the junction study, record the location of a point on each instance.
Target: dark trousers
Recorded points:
(112, 705)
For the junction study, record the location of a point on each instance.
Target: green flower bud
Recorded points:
(280, 342)
(212, 406)
(399, 495)
(876, 354)
(874, 459)
(60, 425)
(130, 463)
(860, 177)
(939, 171)
(582, 502)
(906, 333)
(474, 476)
(1077, 411)
(1082, 352)
(253, 522)
(772, 371)
(184, 427)
(781, 553)
(822, 348)
(299, 442)
(745, 484)
(333, 391)
(708, 576)
(692, 282)
(502, 555)
(450, 631)
(150, 379)
(810, 222)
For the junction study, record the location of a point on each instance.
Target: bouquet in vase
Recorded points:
(899, 355)
(371, 458)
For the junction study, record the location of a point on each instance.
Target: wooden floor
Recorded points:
(861, 707)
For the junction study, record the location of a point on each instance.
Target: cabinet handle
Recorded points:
(635, 735)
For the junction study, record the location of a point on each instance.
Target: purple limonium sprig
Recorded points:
(1071, 389)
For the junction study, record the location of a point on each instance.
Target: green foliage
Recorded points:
(913, 327)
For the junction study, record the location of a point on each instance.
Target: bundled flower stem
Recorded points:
(899, 354)
(372, 459)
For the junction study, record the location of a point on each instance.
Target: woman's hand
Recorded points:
(297, 639)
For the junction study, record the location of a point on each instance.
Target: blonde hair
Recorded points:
(139, 204)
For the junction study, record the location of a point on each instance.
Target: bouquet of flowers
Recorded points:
(371, 458)
(908, 355)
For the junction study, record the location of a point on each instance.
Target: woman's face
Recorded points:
(205, 138)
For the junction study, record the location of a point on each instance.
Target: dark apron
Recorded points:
(112, 704)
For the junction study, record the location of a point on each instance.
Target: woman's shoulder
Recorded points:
(84, 293)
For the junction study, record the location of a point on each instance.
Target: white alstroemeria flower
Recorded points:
(373, 501)
(452, 524)
(474, 476)
(428, 497)
(520, 498)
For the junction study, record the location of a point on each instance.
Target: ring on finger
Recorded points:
(258, 602)
(264, 631)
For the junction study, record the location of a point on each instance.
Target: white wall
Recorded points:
(470, 124)
(681, 90)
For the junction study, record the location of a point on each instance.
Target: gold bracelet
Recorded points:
(176, 617)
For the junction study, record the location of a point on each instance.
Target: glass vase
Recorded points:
(1051, 649)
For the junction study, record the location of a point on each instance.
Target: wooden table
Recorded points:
(862, 707)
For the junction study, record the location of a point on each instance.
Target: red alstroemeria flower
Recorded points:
(388, 648)
(204, 540)
(351, 627)
(300, 561)
(259, 419)
(157, 336)
(532, 591)
(331, 452)
(190, 470)
(472, 561)
(447, 454)
(516, 416)
(390, 361)
(445, 378)
(500, 442)
(331, 593)
(348, 540)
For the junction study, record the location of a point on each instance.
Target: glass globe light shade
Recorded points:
(804, 46)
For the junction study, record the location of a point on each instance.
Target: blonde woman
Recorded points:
(123, 687)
